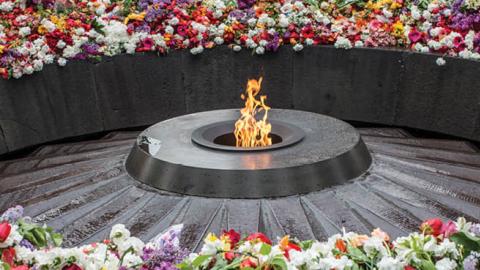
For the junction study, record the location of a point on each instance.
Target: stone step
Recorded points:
(384, 132)
(460, 146)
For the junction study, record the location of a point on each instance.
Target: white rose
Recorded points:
(119, 234)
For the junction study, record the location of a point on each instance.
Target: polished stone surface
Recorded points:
(82, 189)
(165, 157)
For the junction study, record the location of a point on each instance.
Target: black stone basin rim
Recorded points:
(253, 184)
(290, 134)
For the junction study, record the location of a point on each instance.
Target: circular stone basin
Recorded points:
(219, 136)
(188, 155)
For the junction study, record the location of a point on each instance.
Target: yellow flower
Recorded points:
(135, 16)
(211, 238)
(42, 30)
(59, 22)
(397, 29)
(395, 5)
(1, 48)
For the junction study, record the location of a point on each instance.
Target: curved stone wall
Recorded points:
(370, 85)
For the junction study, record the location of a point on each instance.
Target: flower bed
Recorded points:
(443, 246)
(38, 32)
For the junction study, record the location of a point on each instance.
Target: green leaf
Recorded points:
(265, 249)
(356, 254)
(427, 265)
(234, 264)
(184, 266)
(40, 235)
(279, 264)
(57, 239)
(6, 266)
(306, 244)
(469, 242)
(200, 260)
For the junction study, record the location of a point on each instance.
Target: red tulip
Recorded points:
(259, 237)
(5, 229)
(432, 226)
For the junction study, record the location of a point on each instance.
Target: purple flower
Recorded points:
(165, 251)
(244, 4)
(471, 262)
(475, 229)
(90, 48)
(26, 244)
(274, 43)
(164, 258)
(12, 214)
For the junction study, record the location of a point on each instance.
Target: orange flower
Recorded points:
(340, 245)
(381, 234)
(358, 240)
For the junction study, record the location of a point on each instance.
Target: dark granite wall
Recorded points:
(371, 85)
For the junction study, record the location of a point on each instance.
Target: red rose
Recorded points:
(432, 226)
(72, 267)
(5, 229)
(259, 237)
(408, 267)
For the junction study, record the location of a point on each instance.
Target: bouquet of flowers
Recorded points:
(438, 245)
(25, 245)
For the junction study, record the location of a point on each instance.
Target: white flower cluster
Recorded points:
(89, 257)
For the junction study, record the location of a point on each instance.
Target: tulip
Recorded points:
(5, 229)
(432, 226)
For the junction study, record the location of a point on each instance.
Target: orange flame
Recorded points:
(248, 131)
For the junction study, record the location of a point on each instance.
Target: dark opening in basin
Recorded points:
(219, 136)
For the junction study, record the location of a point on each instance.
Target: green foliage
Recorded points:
(469, 242)
(39, 236)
